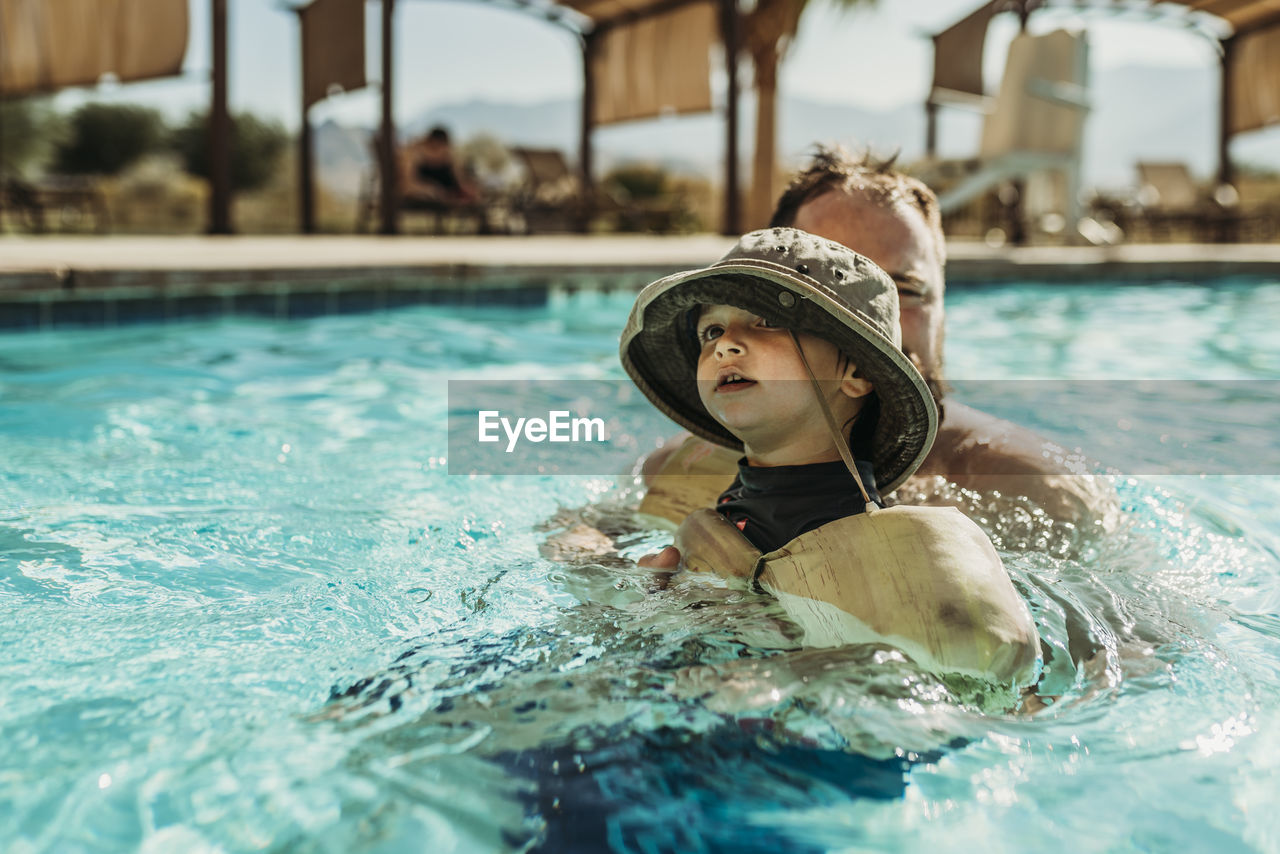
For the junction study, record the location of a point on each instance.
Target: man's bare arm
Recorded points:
(979, 452)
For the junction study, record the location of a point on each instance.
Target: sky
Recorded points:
(454, 50)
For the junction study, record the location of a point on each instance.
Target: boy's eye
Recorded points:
(710, 332)
(765, 323)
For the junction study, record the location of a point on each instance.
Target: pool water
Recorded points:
(248, 608)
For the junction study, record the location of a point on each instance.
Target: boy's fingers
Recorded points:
(668, 558)
(577, 542)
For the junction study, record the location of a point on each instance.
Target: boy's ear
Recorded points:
(852, 386)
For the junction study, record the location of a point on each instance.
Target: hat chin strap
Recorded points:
(842, 442)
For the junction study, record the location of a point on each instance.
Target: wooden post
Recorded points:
(732, 200)
(1016, 212)
(590, 44)
(390, 174)
(306, 195)
(219, 129)
(1226, 174)
(930, 129)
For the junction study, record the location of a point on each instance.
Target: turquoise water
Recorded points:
(247, 608)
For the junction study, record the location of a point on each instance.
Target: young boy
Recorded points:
(788, 349)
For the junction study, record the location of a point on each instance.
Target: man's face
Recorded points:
(897, 239)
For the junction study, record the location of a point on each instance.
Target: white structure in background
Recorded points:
(1035, 128)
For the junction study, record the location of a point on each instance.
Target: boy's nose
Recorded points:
(728, 343)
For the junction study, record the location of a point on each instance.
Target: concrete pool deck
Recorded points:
(88, 279)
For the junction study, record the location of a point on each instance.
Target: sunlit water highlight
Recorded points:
(246, 608)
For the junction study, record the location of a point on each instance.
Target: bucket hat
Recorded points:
(804, 283)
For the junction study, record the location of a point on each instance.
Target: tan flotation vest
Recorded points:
(923, 579)
(691, 478)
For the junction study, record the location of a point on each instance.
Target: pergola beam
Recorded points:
(1261, 24)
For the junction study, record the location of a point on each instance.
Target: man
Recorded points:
(894, 220)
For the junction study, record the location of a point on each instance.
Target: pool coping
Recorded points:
(49, 281)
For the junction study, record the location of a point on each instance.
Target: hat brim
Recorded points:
(661, 356)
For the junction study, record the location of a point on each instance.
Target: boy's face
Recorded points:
(753, 382)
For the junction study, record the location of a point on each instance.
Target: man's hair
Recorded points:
(834, 168)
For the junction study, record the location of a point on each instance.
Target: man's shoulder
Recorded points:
(973, 442)
(978, 451)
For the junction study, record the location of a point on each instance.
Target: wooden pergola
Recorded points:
(640, 59)
(632, 55)
(1249, 55)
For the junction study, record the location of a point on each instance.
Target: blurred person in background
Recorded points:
(430, 175)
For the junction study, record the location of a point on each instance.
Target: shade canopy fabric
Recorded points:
(46, 45)
(655, 65)
(1254, 67)
(332, 48)
(1253, 62)
(957, 54)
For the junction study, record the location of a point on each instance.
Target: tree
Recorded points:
(256, 148)
(103, 139)
(637, 181)
(767, 33)
(28, 128)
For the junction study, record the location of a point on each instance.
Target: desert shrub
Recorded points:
(156, 196)
(651, 199)
(637, 181)
(103, 139)
(256, 148)
(29, 129)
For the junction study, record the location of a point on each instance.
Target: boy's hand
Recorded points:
(668, 558)
(577, 543)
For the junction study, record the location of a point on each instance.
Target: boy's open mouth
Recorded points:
(732, 381)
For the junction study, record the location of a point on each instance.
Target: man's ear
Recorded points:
(852, 386)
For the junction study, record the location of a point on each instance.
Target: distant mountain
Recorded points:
(1150, 114)
(546, 124)
(1139, 113)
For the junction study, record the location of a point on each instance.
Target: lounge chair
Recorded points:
(444, 215)
(1173, 206)
(1036, 124)
(551, 198)
(73, 198)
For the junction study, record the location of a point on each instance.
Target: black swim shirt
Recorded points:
(774, 505)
